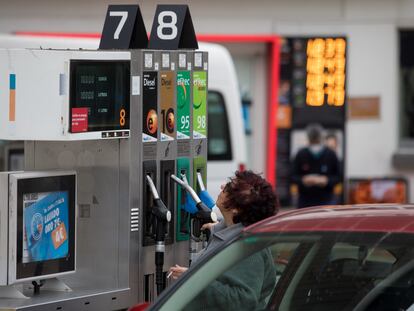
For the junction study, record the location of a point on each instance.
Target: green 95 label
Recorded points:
(183, 104)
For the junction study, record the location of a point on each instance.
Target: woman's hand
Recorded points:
(176, 271)
(208, 226)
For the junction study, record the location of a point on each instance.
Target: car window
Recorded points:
(219, 141)
(304, 272)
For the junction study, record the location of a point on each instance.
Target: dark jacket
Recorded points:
(324, 163)
(246, 286)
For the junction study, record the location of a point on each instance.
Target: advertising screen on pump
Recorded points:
(45, 230)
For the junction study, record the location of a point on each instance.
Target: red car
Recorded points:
(314, 259)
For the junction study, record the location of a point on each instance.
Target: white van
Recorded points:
(226, 139)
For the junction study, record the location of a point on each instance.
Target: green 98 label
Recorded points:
(200, 104)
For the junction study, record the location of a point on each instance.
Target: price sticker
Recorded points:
(59, 235)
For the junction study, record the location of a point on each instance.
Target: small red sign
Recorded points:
(79, 120)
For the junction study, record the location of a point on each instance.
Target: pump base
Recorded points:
(53, 284)
(12, 292)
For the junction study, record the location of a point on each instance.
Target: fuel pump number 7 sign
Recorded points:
(123, 28)
(124, 16)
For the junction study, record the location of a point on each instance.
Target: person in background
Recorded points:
(331, 141)
(246, 199)
(316, 170)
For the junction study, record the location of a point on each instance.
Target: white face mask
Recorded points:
(316, 149)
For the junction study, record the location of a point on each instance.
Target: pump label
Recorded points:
(183, 104)
(167, 105)
(150, 117)
(79, 120)
(199, 104)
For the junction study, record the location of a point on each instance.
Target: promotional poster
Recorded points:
(46, 226)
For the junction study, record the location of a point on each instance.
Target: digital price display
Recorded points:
(312, 88)
(99, 95)
(325, 67)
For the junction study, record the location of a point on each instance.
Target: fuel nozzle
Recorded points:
(163, 216)
(159, 210)
(204, 195)
(203, 212)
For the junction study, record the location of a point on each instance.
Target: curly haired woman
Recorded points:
(246, 199)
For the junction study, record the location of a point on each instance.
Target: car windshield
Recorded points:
(304, 271)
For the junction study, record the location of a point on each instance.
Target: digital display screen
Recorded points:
(325, 67)
(312, 87)
(99, 95)
(45, 226)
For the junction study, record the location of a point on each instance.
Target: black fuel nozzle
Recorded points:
(205, 214)
(163, 216)
(160, 211)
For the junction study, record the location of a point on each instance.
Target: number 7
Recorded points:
(124, 16)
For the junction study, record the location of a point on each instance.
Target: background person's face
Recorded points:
(331, 143)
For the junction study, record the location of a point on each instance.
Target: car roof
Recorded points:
(347, 218)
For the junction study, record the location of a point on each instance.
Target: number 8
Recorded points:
(163, 25)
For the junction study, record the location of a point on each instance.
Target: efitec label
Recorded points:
(199, 104)
(183, 104)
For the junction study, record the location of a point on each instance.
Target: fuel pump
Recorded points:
(162, 217)
(122, 100)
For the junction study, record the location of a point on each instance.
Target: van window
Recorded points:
(219, 143)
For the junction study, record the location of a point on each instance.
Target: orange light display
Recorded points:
(325, 72)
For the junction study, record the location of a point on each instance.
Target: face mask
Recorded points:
(316, 149)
